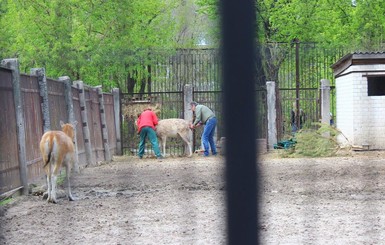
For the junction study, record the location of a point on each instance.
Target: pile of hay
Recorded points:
(320, 142)
(134, 109)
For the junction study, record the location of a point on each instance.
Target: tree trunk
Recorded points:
(149, 81)
(131, 81)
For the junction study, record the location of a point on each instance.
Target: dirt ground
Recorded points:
(337, 200)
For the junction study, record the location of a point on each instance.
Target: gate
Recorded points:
(297, 71)
(300, 70)
(165, 104)
(169, 73)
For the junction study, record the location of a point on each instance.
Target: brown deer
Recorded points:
(173, 128)
(57, 149)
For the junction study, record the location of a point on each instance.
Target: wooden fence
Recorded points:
(32, 104)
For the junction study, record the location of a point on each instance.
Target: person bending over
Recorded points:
(146, 128)
(205, 116)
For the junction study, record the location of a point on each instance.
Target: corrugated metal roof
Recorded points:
(367, 52)
(358, 58)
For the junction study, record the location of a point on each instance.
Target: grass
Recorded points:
(6, 201)
(61, 178)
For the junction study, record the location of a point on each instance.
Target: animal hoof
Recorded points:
(52, 201)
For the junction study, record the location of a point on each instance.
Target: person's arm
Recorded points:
(138, 122)
(198, 115)
(154, 119)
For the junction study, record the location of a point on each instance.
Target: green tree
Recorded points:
(100, 42)
(330, 23)
(281, 24)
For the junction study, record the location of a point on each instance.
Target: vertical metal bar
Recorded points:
(238, 20)
(297, 115)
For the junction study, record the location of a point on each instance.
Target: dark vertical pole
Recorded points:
(297, 115)
(149, 81)
(238, 50)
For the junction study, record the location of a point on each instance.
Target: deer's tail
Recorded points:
(48, 147)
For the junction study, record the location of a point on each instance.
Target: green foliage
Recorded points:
(319, 142)
(108, 42)
(5, 201)
(61, 178)
(95, 41)
(332, 23)
(209, 7)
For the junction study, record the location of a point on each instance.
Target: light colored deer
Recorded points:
(173, 128)
(57, 149)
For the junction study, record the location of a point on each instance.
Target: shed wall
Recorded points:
(344, 107)
(361, 118)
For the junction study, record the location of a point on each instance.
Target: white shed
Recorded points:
(360, 97)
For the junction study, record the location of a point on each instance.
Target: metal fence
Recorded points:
(299, 69)
(170, 72)
(299, 76)
(24, 116)
(169, 104)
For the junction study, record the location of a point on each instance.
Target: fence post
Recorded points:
(13, 64)
(71, 115)
(271, 115)
(107, 154)
(86, 129)
(188, 115)
(43, 90)
(325, 101)
(116, 96)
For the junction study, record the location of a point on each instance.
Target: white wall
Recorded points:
(344, 108)
(360, 117)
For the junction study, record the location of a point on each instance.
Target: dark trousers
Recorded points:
(150, 133)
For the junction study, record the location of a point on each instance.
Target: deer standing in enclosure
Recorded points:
(57, 149)
(173, 128)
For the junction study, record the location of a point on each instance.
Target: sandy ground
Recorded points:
(337, 200)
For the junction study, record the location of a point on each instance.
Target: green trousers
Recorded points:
(150, 133)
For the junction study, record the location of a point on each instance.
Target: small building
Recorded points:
(360, 99)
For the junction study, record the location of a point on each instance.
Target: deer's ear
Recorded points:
(75, 123)
(61, 123)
